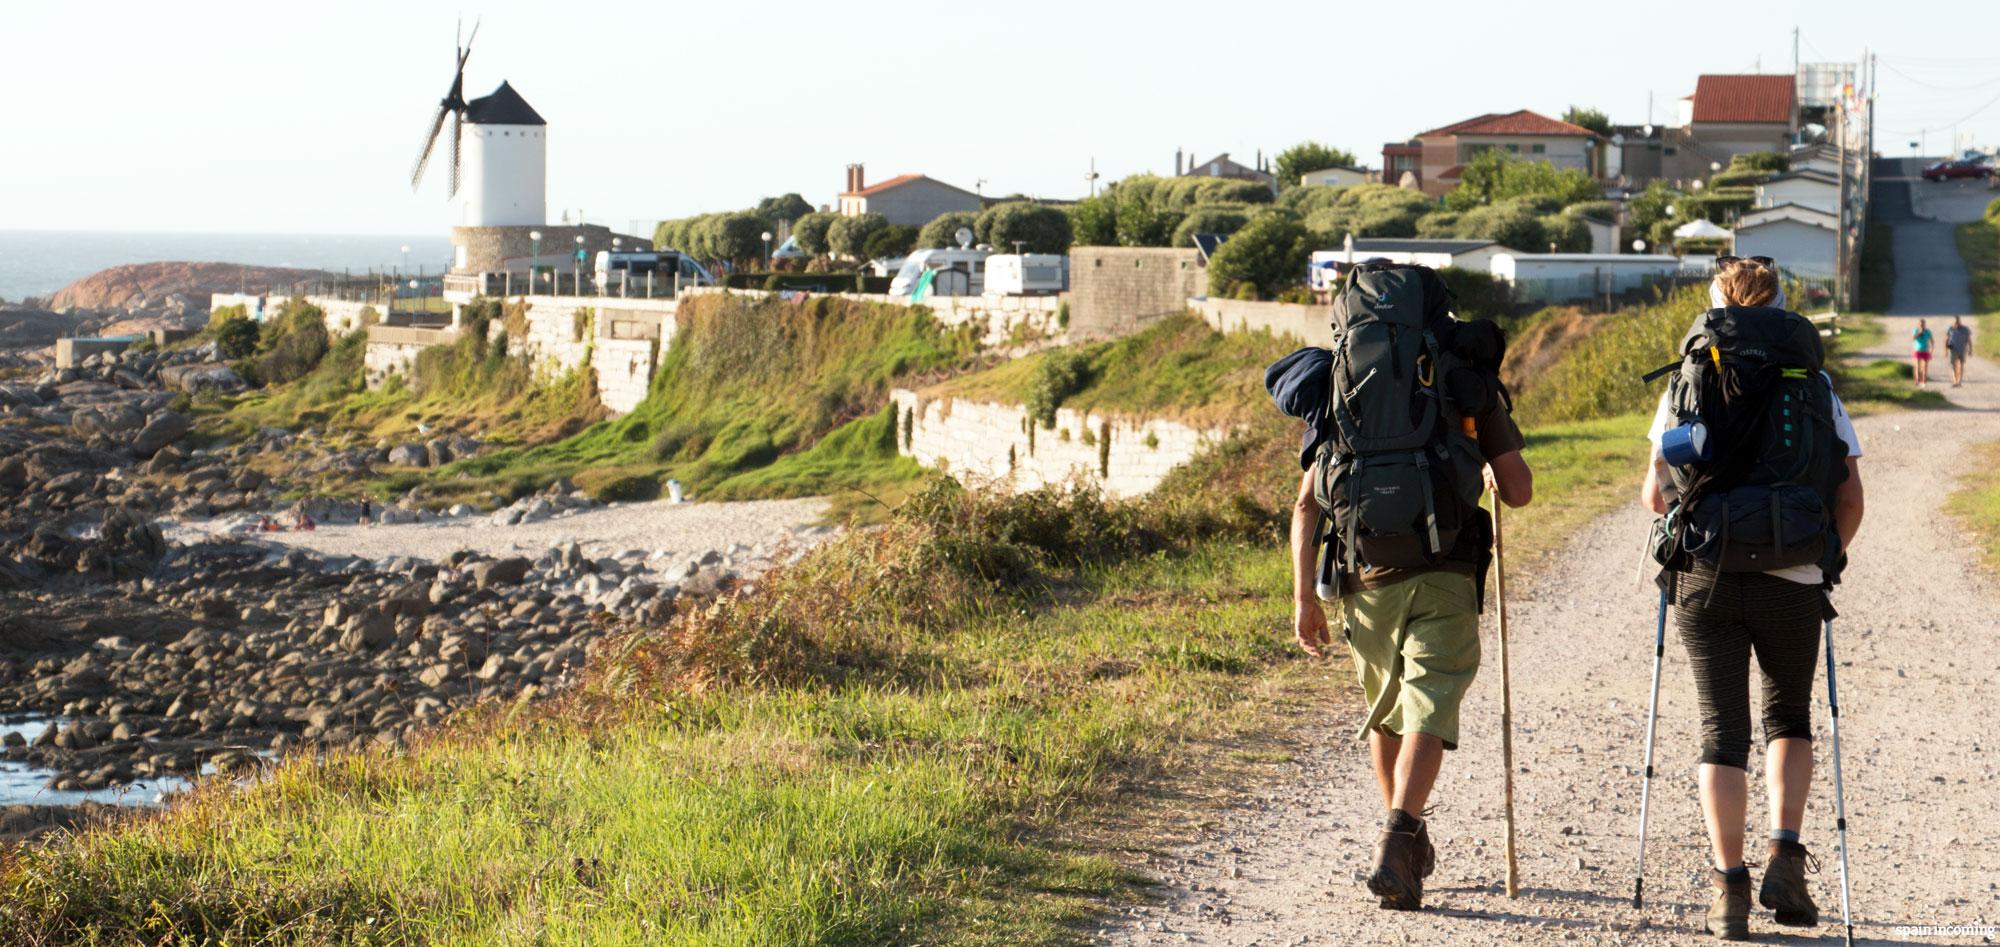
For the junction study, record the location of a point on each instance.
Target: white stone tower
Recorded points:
(504, 180)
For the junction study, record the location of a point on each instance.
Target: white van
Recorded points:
(960, 272)
(630, 270)
(1027, 274)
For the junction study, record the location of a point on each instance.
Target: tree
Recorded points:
(1141, 226)
(235, 334)
(1366, 210)
(1269, 254)
(890, 242)
(1512, 224)
(1219, 219)
(1038, 228)
(810, 232)
(942, 231)
(1646, 212)
(848, 237)
(1589, 118)
(783, 208)
(1493, 176)
(1305, 156)
(1093, 222)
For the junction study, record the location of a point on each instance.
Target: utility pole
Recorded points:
(1840, 221)
(1795, 49)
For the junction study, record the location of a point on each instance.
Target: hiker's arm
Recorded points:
(1308, 618)
(1650, 494)
(1848, 504)
(1508, 475)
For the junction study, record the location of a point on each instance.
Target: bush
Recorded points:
(1293, 162)
(235, 335)
(848, 236)
(293, 342)
(889, 242)
(1478, 294)
(1993, 210)
(1268, 253)
(1142, 226)
(1220, 219)
(1567, 233)
(1512, 224)
(1769, 161)
(1366, 210)
(1063, 372)
(1602, 210)
(1494, 176)
(810, 232)
(941, 232)
(1038, 228)
(1738, 177)
(1093, 222)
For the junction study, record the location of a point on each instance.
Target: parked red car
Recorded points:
(1959, 168)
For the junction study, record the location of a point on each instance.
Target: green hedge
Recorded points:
(809, 282)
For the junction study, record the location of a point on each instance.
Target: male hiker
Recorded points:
(1407, 427)
(1958, 343)
(1763, 513)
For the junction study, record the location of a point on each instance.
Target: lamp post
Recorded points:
(767, 249)
(406, 258)
(534, 256)
(576, 268)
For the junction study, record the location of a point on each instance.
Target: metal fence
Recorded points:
(557, 282)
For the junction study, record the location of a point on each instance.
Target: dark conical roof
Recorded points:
(504, 107)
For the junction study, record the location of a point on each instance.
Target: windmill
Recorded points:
(452, 104)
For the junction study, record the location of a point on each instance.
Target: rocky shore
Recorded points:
(162, 635)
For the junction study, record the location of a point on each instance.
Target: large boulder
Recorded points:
(110, 419)
(202, 376)
(408, 455)
(165, 428)
(496, 572)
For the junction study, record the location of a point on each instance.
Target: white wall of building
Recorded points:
(1798, 246)
(504, 176)
(1804, 192)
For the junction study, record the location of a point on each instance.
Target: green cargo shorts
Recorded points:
(1416, 650)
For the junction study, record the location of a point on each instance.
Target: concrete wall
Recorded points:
(392, 350)
(1116, 291)
(1796, 245)
(1308, 324)
(980, 441)
(621, 338)
(71, 352)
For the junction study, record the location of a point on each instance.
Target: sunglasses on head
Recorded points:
(1724, 262)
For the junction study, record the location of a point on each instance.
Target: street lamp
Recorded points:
(406, 257)
(1638, 246)
(767, 249)
(534, 256)
(576, 267)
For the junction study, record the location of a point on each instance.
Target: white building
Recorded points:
(1561, 277)
(1803, 240)
(1338, 176)
(1812, 188)
(504, 174)
(910, 199)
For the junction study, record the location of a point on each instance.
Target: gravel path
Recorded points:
(1915, 645)
(685, 529)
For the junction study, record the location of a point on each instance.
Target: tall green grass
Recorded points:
(1979, 244)
(744, 384)
(1599, 375)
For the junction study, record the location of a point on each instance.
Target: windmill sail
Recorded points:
(452, 104)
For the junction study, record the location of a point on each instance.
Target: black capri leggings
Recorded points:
(1776, 618)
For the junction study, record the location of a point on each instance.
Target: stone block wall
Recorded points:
(1116, 291)
(392, 350)
(1001, 320)
(1309, 324)
(985, 442)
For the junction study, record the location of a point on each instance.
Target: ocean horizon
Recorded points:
(40, 262)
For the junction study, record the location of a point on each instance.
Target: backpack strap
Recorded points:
(1430, 500)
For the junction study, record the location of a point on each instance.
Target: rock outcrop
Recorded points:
(138, 285)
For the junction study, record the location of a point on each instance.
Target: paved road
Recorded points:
(1916, 641)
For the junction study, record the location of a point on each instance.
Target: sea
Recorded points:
(39, 262)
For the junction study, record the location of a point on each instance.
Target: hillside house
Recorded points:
(909, 199)
(1223, 166)
(1521, 133)
(1403, 164)
(1819, 190)
(1729, 115)
(1338, 176)
(1804, 240)
(1632, 159)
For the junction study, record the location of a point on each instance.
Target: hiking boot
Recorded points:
(1428, 859)
(1784, 890)
(1402, 859)
(1728, 916)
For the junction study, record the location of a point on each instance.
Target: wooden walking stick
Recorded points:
(1506, 698)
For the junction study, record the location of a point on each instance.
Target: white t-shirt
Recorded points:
(1842, 425)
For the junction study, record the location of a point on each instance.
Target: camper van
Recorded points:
(628, 273)
(960, 272)
(1027, 274)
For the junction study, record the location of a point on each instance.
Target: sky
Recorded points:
(305, 118)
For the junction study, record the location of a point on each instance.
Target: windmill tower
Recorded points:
(500, 161)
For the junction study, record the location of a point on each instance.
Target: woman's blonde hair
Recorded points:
(1748, 284)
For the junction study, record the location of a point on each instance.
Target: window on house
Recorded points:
(1513, 149)
(1539, 149)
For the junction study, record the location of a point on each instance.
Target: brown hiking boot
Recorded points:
(1784, 890)
(1428, 860)
(1728, 915)
(1402, 859)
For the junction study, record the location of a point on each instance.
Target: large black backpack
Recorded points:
(1398, 477)
(1754, 376)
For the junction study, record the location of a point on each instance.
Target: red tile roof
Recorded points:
(892, 183)
(1521, 122)
(1752, 99)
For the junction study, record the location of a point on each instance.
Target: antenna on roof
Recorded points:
(1091, 178)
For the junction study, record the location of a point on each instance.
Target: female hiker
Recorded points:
(1920, 351)
(1769, 407)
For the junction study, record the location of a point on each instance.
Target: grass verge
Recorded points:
(1979, 244)
(1976, 503)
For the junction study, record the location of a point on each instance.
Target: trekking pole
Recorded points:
(1506, 698)
(1646, 782)
(1839, 798)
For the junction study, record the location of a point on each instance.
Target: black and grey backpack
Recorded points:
(1763, 498)
(1398, 478)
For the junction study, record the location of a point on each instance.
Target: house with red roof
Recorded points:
(1730, 115)
(912, 199)
(1530, 136)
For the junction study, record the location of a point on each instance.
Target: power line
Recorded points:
(1943, 125)
(1932, 85)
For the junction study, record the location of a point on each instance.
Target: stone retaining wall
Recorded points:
(1002, 320)
(982, 441)
(392, 350)
(1302, 322)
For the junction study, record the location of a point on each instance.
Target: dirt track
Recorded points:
(1915, 644)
